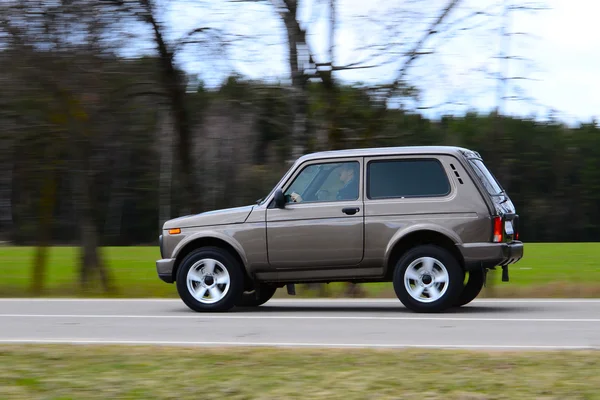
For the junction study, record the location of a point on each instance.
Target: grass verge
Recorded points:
(547, 270)
(131, 372)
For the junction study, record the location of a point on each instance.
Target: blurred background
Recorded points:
(117, 115)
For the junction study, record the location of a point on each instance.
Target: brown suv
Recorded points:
(431, 220)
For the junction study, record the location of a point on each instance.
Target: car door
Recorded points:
(324, 226)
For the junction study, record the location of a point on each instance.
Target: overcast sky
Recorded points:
(560, 50)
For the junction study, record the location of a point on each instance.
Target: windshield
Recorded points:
(486, 177)
(274, 187)
(304, 179)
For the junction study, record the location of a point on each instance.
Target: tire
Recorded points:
(407, 280)
(215, 296)
(249, 299)
(471, 289)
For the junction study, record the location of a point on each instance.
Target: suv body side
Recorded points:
(316, 241)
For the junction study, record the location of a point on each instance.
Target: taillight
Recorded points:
(497, 229)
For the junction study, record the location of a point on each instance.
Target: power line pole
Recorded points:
(503, 59)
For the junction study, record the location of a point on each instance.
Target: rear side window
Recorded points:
(486, 177)
(406, 178)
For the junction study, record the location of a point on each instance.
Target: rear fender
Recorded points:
(403, 233)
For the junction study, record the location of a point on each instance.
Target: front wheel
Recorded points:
(428, 278)
(254, 299)
(210, 279)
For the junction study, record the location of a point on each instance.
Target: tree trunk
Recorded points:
(90, 258)
(165, 149)
(46, 209)
(296, 44)
(299, 126)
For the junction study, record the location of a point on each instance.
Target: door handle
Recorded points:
(350, 210)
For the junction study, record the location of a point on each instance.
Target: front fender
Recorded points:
(404, 232)
(211, 234)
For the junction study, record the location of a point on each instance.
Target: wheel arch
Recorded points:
(210, 241)
(423, 236)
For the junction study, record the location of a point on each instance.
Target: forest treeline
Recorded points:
(241, 146)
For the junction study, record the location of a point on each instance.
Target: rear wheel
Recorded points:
(471, 289)
(428, 279)
(210, 279)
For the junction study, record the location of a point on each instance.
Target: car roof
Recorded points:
(383, 151)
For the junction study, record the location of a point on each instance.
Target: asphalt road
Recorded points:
(484, 324)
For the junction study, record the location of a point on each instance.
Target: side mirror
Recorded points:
(279, 199)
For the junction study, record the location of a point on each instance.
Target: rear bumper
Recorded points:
(488, 255)
(164, 269)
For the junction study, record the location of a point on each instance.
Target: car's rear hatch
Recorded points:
(505, 220)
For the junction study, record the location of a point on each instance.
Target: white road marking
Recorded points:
(86, 300)
(292, 344)
(301, 317)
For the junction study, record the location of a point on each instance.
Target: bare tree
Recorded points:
(298, 56)
(174, 85)
(305, 64)
(487, 27)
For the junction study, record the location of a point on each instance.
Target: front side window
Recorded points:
(325, 182)
(388, 179)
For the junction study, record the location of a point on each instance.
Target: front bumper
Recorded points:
(164, 269)
(489, 255)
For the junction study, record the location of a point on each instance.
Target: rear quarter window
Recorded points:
(485, 177)
(388, 179)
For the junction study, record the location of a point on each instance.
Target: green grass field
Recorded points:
(547, 270)
(130, 372)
